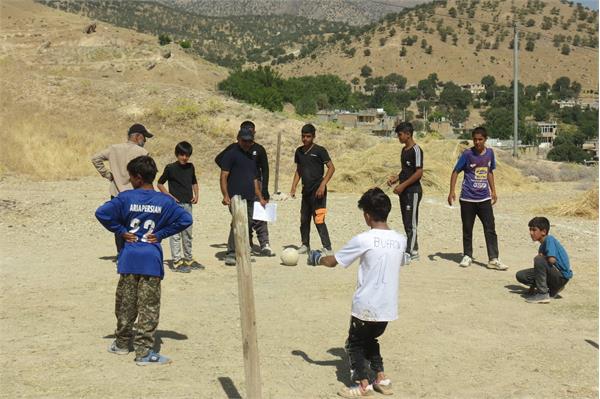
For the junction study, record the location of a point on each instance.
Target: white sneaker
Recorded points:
(267, 251)
(496, 264)
(303, 249)
(466, 261)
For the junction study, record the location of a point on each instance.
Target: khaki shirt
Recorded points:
(118, 156)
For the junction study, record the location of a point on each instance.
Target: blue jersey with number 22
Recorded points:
(143, 212)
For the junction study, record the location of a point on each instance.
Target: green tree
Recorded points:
(488, 81)
(530, 46)
(366, 71)
(453, 96)
(565, 49)
(306, 106)
(164, 39)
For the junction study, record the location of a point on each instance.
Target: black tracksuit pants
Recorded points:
(409, 206)
(313, 207)
(483, 210)
(362, 345)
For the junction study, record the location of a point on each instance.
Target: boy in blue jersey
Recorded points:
(477, 196)
(551, 268)
(143, 217)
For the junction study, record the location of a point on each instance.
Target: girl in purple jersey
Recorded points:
(477, 196)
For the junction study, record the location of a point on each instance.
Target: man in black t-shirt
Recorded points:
(409, 187)
(240, 177)
(310, 160)
(262, 164)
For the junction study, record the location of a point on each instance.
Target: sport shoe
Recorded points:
(384, 387)
(230, 259)
(194, 265)
(181, 267)
(466, 261)
(113, 348)
(414, 255)
(327, 252)
(356, 391)
(539, 298)
(152, 358)
(303, 249)
(496, 264)
(267, 251)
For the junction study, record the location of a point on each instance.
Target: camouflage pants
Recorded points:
(137, 297)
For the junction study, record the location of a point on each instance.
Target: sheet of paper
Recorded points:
(268, 213)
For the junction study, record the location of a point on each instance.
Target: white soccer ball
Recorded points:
(289, 257)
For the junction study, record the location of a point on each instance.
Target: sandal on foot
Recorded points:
(384, 387)
(356, 391)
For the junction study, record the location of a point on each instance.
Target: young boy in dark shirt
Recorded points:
(408, 185)
(183, 187)
(310, 159)
(143, 217)
(551, 268)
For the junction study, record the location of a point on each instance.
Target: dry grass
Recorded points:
(585, 206)
(377, 163)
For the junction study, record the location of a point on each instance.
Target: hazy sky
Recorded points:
(593, 4)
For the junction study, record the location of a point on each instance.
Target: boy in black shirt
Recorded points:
(259, 154)
(309, 160)
(409, 187)
(183, 187)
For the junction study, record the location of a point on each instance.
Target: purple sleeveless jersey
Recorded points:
(475, 186)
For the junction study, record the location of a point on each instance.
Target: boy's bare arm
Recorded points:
(451, 195)
(223, 183)
(330, 170)
(195, 191)
(163, 189)
(295, 183)
(492, 187)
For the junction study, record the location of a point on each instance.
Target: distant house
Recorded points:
(375, 120)
(474, 88)
(589, 102)
(570, 103)
(547, 132)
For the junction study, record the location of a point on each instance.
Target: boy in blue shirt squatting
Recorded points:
(143, 217)
(551, 268)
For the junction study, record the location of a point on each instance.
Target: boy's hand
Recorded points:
(494, 198)
(129, 237)
(293, 193)
(226, 200)
(263, 202)
(451, 198)
(391, 180)
(194, 200)
(314, 257)
(151, 238)
(398, 189)
(320, 191)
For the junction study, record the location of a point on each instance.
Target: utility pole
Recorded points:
(516, 89)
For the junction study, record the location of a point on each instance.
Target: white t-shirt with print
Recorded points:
(381, 254)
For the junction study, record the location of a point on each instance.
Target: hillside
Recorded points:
(228, 41)
(67, 94)
(463, 41)
(350, 11)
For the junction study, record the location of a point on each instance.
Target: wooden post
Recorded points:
(246, 298)
(277, 163)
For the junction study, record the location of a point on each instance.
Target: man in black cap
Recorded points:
(239, 176)
(262, 165)
(118, 156)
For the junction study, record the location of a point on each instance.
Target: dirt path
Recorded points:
(462, 333)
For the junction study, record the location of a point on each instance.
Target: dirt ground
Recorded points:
(462, 333)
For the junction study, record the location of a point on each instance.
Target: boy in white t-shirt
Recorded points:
(375, 303)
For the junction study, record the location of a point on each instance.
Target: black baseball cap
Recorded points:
(246, 133)
(141, 129)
